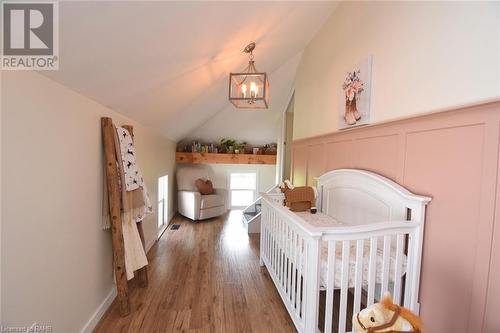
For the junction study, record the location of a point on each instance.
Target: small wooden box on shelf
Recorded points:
(212, 158)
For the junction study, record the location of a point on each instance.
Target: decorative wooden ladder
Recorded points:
(112, 177)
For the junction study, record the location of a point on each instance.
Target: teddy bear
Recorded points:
(386, 317)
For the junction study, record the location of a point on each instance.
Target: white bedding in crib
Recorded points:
(319, 219)
(352, 264)
(322, 220)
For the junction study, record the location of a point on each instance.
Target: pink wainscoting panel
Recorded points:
(338, 155)
(446, 164)
(452, 156)
(486, 224)
(492, 317)
(378, 154)
(316, 163)
(299, 165)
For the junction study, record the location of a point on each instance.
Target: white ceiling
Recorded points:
(165, 64)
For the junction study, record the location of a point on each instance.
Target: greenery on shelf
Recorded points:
(230, 146)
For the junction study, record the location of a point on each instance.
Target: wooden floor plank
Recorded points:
(204, 277)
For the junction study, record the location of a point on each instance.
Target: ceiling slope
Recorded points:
(166, 64)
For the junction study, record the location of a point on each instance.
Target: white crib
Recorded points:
(365, 240)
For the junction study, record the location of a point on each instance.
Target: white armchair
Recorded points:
(191, 203)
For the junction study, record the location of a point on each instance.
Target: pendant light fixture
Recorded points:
(250, 88)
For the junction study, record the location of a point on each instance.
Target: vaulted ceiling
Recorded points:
(166, 64)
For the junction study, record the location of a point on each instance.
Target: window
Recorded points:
(162, 201)
(243, 187)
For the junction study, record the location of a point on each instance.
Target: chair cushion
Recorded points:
(204, 186)
(211, 200)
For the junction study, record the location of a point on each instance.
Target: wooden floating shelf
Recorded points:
(211, 158)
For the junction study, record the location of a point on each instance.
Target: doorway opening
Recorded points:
(288, 139)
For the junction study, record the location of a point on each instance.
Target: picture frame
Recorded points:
(355, 95)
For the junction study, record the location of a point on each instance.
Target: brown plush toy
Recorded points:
(300, 198)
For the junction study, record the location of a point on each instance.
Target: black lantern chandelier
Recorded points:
(250, 88)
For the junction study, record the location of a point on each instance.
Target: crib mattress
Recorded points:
(323, 220)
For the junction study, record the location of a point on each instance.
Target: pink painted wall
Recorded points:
(452, 156)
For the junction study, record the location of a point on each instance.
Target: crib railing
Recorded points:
(362, 262)
(365, 262)
(290, 252)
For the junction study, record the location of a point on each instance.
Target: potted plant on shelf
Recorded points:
(239, 148)
(231, 146)
(227, 145)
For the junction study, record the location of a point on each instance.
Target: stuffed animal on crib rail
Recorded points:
(299, 198)
(386, 317)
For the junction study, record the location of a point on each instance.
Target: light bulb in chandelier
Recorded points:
(254, 90)
(244, 90)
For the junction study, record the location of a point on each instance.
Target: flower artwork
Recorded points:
(353, 87)
(355, 97)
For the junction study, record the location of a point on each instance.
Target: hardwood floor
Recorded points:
(204, 277)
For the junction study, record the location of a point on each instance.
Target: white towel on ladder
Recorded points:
(135, 257)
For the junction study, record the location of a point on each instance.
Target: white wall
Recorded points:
(219, 174)
(56, 259)
(426, 55)
(279, 125)
(254, 127)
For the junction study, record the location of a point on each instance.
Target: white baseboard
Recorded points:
(150, 245)
(94, 319)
